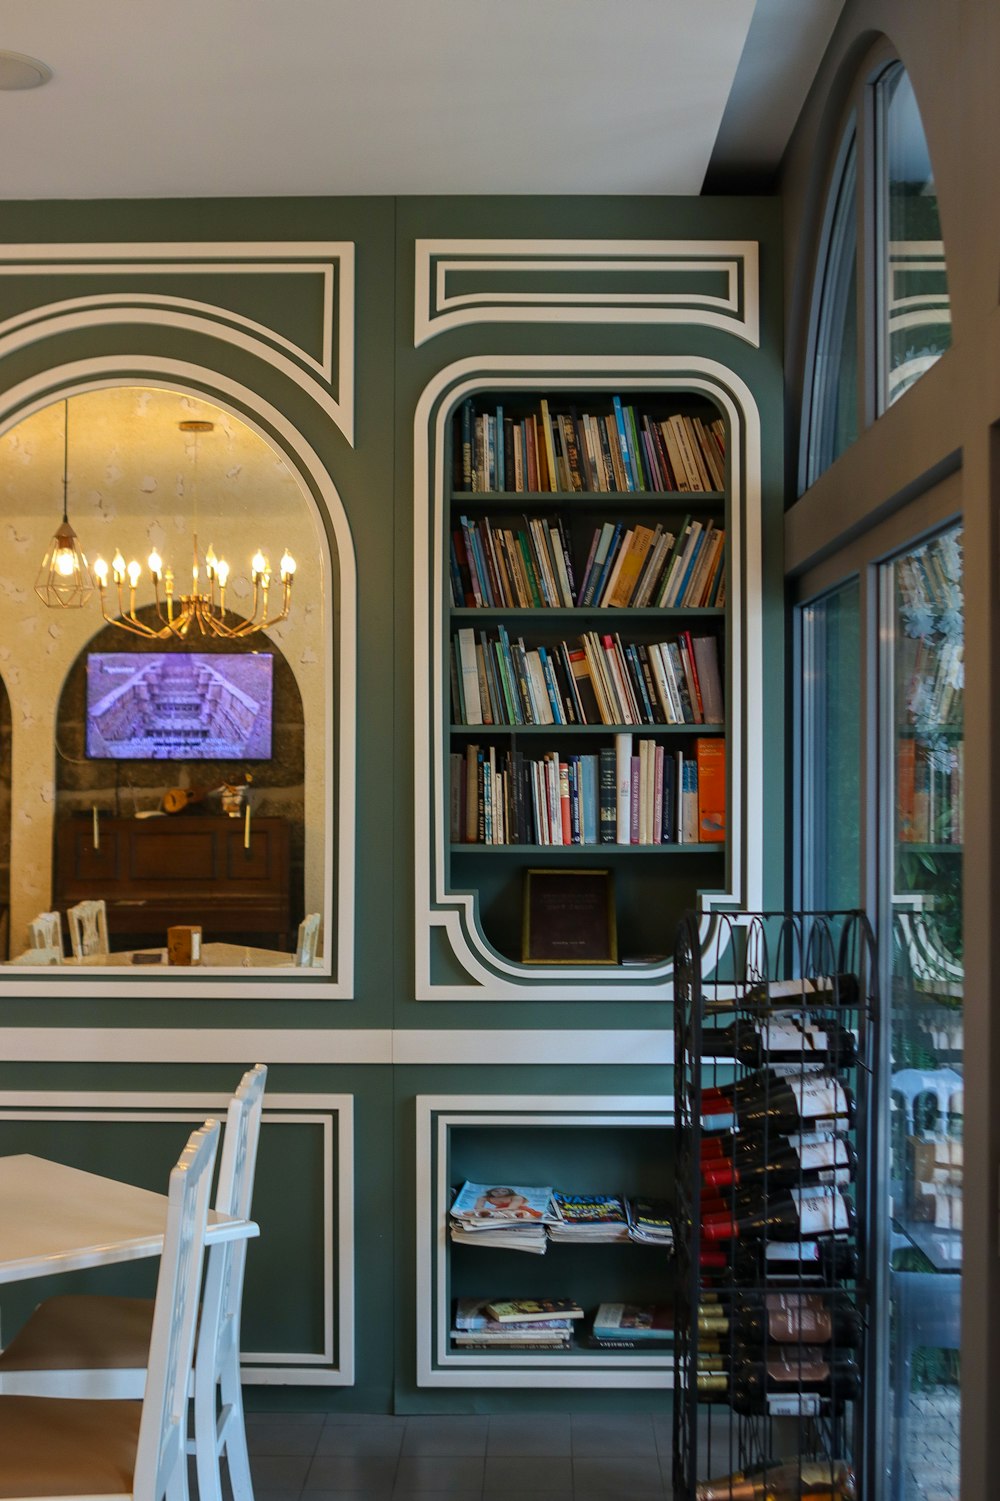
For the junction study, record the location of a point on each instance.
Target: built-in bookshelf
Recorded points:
(587, 586)
(581, 1144)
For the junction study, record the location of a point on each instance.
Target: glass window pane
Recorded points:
(833, 410)
(831, 750)
(924, 647)
(916, 315)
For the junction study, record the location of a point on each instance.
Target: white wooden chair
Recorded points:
(88, 928)
(308, 941)
(91, 1345)
(39, 956)
(45, 932)
(52, 1446)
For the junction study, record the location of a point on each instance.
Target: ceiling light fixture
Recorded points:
(20, 72)
(202, 609)
(64, 581)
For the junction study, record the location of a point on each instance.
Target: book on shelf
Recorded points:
(639, 1322)
(473, 1325)
(533, 1310)
(650, 1221)
(589, 1218)
(519, 1339)
(710, 758)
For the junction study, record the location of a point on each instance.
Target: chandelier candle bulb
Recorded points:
(97, 830)
(246, 829)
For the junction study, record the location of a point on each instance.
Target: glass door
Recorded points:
(922, 758)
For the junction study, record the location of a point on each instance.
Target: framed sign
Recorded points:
(569, 917)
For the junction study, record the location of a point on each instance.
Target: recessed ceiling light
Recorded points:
(20, 72)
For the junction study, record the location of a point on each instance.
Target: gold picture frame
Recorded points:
(569, 917)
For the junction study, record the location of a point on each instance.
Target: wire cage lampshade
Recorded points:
(64, 581)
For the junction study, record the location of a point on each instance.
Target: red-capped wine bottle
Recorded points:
(826, 1261)
(805, 1103)
(789, 1161)
(789, 1214)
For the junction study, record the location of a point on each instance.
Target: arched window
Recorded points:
(880, 315)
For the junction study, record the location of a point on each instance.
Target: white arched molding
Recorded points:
(338, 580)
(442, 914)
(324, 373)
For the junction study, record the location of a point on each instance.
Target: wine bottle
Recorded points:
(783, 1318)
(820, 990)
(825, 1261)
(789, 1214)
(811, 1102)
(796, 1480)
(786, 1038)
(754, 1197)
(790, 1381)
(789, 1161)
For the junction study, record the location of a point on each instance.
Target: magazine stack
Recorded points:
(515, 1218)
(649, 1222)
(633, 1326)
(589, 1217)
(515, 1323)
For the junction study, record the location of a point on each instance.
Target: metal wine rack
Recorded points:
(726, 975)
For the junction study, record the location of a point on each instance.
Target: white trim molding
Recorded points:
(333, 1047)
(466, 281)
(333, 1115)
(129, 271)
(437, 1364)
(448, 915)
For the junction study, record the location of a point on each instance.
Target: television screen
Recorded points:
(173, 706)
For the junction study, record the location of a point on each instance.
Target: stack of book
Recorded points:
(649, 1222)
(515, 1323)
(486, 1214)
(589, 1217)
(633, 1326)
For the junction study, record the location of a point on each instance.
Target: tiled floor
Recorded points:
(344, 1457)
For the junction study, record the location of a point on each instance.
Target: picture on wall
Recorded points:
(173, 706)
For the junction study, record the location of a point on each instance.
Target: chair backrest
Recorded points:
(237, 1169)
(308, 941)
(39, 956)
(45, 932)
(163, 1426)
(88, 928)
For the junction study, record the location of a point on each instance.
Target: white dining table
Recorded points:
(55, 1218)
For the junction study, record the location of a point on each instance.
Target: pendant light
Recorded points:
(64, 581)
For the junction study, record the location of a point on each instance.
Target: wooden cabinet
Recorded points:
(188, 869)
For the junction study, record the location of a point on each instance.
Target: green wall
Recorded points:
(214, 1038)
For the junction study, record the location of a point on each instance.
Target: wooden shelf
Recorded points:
(585, 613)
(513, 730)
(594, 851)
(680, 500)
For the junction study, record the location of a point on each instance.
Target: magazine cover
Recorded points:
(470, 1314)
(637, 1320)
(487, 1203)
(591, 1209)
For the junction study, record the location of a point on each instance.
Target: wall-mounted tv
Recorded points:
(179, 706)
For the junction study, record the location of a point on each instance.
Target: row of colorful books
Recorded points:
(524, 1218)
(557, 1323)
(624, 793)
(497, 679)
(628, 567)
(619, 451)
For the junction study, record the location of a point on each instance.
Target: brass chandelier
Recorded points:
(204, 609)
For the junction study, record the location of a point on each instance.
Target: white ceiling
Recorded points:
(267, 97)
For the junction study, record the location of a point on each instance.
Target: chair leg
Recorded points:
(234, 1440)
